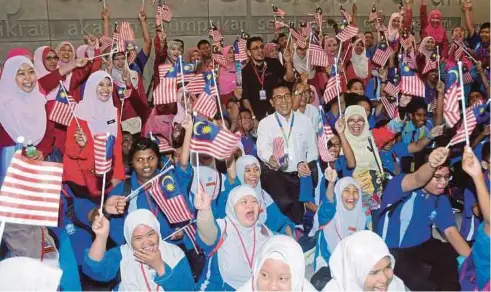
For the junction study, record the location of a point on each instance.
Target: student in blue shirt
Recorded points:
(479, 42)
(411, 204)
(480, 250)
(145, 263)
(370, 45)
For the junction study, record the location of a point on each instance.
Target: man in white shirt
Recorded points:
(282, 181)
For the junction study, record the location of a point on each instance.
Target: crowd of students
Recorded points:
(381, 187)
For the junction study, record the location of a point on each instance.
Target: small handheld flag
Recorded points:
(103, 152)
(212, 140)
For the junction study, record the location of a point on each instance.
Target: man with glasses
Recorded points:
(411, 205)
(259, 76)
(281, 178)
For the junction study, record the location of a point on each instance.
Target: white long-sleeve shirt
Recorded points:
(300, 147)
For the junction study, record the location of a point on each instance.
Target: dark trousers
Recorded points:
(284, 189)
(428, 267)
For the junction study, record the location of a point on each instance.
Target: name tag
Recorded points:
(111, 121)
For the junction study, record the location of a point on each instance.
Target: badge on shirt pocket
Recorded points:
(262, 94)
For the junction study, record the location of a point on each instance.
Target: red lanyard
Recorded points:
(156, 211)
(145, 277)
(260, 79)
(251, 259)
(214, 188)
(42, 244)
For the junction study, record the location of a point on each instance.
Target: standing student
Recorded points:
(411, 205)
(144, 263)
(282, 180)
(230, 243)
(260, 75)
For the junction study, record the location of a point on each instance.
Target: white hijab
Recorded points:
(287, 250)
(118, 77)
(101, 116)
(345, 222)
(60, 62)
(392, 32)
(84, 51)
(353, 259)
(21, 113)
(359, 62)
(132, 278)
(41, 70)
(263, 197)
(300, 65)
(28, 274)
(232, 261)
(422, 47)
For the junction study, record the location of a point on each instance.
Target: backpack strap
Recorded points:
(391, 209)
(127, 187)
(221, 241)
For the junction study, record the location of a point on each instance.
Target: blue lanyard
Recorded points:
(286, 137)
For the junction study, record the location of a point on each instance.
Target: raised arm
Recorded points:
(347, 150)
(469, 23)
(423, 16)
(423, 175)
(207, 229)
(331, 176)
(440, 87)
(105, 20)
(100, 227)
(288, 63)
(187, 125)
(147, 41)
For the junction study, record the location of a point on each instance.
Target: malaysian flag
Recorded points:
(197, 84)
(105, 43)
(346, 32)
(411, 84)
(166, 193)
(279, 150)
(30, 193)
(392, 88)
(299, 40)
(206, 104)
(62, 112)
(453, 94)
(332, 88)
(103, 152)
(373, 14)
(219, 58)
(279, 25)
(158, 16)
(161, 141)
(431, 63)
(240, 49)
(305, 29)
(127, 41)
(317, 56)
(391, 107)
(166, 91)
(166, 13)
(323, 135)
(215, 34)
(163, 70)
(461, 134)
(209, 139)
(382, 53)
(407, 40)
(346, 16)
(277, 12)
(467, 76)
(318, 18)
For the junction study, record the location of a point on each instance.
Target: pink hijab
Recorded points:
(159, 124)
(392, 32)
(437, 33)
(422, 47)
(101, 116)
(41, 71)
(227, 79)
(329, 55)
(269, 48)
(19, 52)
(21, 113)
(58, 49)
(84, 51)
(189, 53)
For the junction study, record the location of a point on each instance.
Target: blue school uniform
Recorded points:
(480, 254)
(412, 134)
(470, 222)
(144, 201)
(341, 166)
(331, 119)
(177, 276)
(70, 280)
(249, 143)
(393, 156)
(411, 222)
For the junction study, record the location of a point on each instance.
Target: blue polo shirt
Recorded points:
(411, 222)
(412, 134)
(393, 156)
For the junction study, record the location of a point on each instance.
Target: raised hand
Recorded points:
(115, 205)
(340, 126)
(438, 157)
(303, 169)
(80, 138)
(105, 14)
(79, 63)
(202, 201)
(142, 15)
(470, 163)
(100, 226)
(405, 100)
(436, 131)
(331, 174)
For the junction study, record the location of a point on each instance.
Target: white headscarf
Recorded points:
(300, 65)
(359, 62)
(232, 260)
(365, 158)
(353, 259)
(101, 116)
(118, 77)
(345, 222)
(21, 113)
(422, 47)
(392, 32)
(28, 274)
(41, 70)
(263, 198)
(83, 50)
(132, 278)
(285, 249)
(60, 62)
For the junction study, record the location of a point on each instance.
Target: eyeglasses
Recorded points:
(357, 122)
(261, 47)
(443, 178)
(52, 58)
(284, 97)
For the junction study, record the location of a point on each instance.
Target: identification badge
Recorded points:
(262, 94)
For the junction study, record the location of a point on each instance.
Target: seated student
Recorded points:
(279, 266)
(229, 243)
(480, 250)
(410, 205)
(341, 214)
(246, 128)
(249, 173)
(362, 262)
(471, 215)
(145, 263)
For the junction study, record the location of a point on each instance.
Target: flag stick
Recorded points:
(104, 3)
(289, 38)
(217, 95)
(339, 50)
(462, 99)
(464, 48)
(2, 228)
(73, 112)
(102, 55)
(143, 4)
(135, 192)
(337, 85)
(308, 54)
(103, 190)
(183, 87)
(438, 61)
(180, 229)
